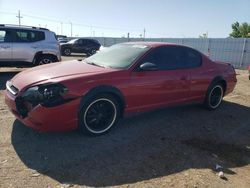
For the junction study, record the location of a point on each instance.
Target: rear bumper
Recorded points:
(60, 118)
(59, 57)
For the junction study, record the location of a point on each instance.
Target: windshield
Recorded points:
(72, 41)
(119, 56)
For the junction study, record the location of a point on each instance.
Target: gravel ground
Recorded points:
(172, 147)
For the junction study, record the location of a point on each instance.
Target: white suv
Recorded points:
(28, 44)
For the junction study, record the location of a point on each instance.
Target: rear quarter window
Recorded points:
(37, 36)
(192, 58)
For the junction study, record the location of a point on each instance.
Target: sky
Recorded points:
(116, 18)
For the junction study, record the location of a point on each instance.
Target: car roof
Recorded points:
(87, 39)
(10, 26)
(158, 44)
(90, 39)
(153, 44)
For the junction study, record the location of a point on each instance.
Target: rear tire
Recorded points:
(99, 115)
(66, 51)
(45, 59)
(214, 96)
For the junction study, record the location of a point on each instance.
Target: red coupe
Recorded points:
(92, 94)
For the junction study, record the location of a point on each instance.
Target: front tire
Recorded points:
(99, 115)
(92, 52)
(214, 96)
(45, 59)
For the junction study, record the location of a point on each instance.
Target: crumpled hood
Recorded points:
(42, 73)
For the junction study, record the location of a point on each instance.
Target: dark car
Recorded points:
(63, 40)
(82, 45)
(94, 93)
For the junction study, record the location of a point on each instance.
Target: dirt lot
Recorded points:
(174, 147)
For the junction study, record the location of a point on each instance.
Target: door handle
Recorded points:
(35, 47)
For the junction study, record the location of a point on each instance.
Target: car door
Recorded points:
(90, 45)
(78, 46)
(5, 45)
(86, 45)
(169, 84)
(25, 45)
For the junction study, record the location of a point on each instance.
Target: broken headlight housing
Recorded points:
(46, 95)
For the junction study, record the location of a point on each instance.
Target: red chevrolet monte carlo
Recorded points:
(94, 93)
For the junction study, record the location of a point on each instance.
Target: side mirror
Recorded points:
(148, 66)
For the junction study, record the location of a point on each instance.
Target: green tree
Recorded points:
(240, 30)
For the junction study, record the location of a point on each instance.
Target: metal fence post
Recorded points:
(208, 47)
(243, 52)
(104, 41)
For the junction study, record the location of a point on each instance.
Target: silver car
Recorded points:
(28, 44)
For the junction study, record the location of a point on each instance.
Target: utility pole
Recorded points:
(61, 28)
(71, 29)
(19, 17)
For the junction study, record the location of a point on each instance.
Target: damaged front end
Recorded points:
(48, 95)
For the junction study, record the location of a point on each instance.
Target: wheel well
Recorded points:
(118, 99)
(109, 90)
(40, 54)
(224, 85)
(220, 80)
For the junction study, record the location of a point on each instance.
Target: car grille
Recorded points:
(11, 88)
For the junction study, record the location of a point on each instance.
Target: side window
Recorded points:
(5, 36)
(22, 36)
(2, 35)
(28, 36)
(79, 41)
(86, 42)
(36, 36)
(192, 58)
(166, 58)
(174, 57)
(92, 42)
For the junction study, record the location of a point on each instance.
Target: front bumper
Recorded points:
(59, 118)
